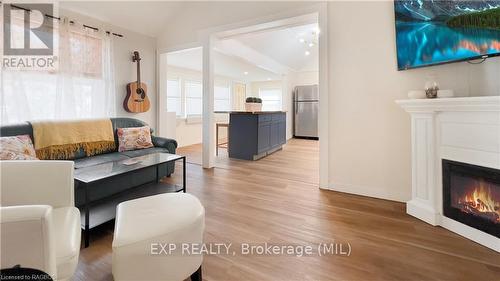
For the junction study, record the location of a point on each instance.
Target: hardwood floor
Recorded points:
(276, 200)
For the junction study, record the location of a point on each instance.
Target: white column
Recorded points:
(423, 149)
(208, 154)
(324, 154)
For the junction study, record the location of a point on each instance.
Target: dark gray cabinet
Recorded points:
(254, 135)
(263, 137)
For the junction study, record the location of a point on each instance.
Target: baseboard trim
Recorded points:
(368, 191)
(423, 212)
(471, 233)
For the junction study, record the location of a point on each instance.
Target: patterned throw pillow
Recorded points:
(134, 138)
(17, 148)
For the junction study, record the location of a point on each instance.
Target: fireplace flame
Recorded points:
(481, 202)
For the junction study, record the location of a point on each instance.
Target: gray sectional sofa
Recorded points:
(117, 184)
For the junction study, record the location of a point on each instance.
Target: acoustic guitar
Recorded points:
(137, 100)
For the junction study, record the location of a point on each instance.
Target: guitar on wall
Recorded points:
(137, 100)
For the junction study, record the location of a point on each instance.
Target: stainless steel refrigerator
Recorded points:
(306, 107)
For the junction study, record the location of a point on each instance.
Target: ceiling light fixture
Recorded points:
(311, 44)
(246, 72)
(268, 79)
(301, 40)
(307, 53)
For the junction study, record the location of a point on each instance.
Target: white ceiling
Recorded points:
(285, 47)
(281, 46)
(235, 48)
(224, 65)
(146, 17)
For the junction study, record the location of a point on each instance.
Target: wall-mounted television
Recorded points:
(436, 32)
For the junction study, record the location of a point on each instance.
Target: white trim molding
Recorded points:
(490, 103)
(460, 129)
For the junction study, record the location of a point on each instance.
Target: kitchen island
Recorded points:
(253, 135)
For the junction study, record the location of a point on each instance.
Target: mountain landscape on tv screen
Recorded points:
(433, 32)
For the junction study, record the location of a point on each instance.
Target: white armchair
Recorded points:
(40, 226)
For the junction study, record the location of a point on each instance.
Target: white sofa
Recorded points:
(40, 227)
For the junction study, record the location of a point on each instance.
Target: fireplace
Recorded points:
(471, 195)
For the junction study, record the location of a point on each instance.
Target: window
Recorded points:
(194, 98)
(185, 96)
(271, 99)
(222, 98)
(82, 86)
(174, 99)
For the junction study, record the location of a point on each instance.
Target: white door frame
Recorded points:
(207, 38)
(161, 75)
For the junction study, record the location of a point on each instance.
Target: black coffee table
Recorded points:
(104, 210)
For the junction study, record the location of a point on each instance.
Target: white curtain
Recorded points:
(82, 86)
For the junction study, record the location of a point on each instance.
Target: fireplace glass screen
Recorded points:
(471, 195)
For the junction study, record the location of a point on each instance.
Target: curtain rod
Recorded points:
(71, 22)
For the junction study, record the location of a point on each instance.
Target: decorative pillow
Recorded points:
(17, 148)
(134, 138)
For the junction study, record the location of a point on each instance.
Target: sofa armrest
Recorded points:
(28, 238)
(37, 182)
(169, 144)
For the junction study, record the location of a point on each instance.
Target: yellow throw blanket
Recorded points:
(62, 139)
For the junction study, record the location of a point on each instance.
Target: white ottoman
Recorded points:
(143, 224)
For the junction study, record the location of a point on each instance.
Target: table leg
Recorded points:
(216, 139)
(184, 174)
(86, 234)
(157, 173)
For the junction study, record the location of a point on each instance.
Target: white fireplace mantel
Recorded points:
(491, 103)
(461, 129)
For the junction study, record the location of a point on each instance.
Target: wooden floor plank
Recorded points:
(276, 200)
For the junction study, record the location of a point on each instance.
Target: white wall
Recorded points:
(369, 134)
(125, 69)
(188, 133)
(306, 78)
(255, 86)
